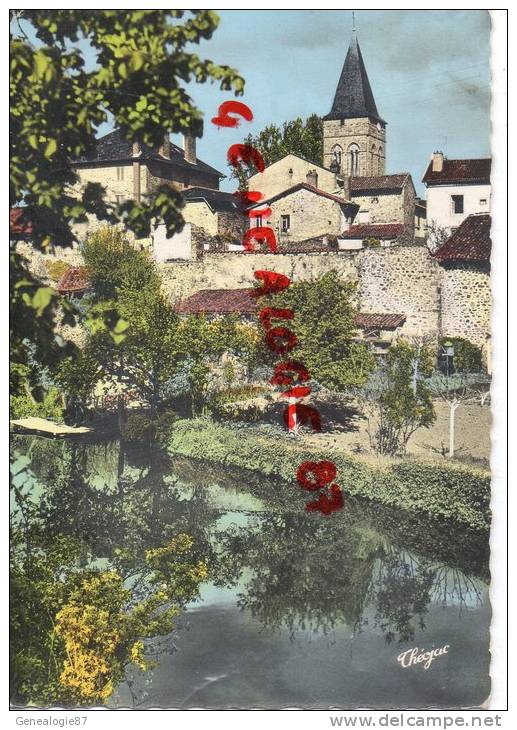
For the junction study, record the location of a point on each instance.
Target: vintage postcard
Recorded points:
(251, 359)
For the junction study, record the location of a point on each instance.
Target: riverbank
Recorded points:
(449, 492)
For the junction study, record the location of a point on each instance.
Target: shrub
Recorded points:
(467, 356)
(22, 406)
(56, 269)
(138, 428)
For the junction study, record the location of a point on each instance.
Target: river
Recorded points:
(299, 610)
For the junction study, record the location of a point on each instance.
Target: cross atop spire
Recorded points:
(353, 22)
(354, 97)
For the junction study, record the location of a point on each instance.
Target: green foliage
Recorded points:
(467, 355)
(297, 137)
(75, 629)
(326, 331)
(396, 398)
(24, 406)
(58, 99)
(456, 495)
(57, 269)
(140, 428)
(372, 242)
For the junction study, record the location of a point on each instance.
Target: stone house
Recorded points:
(465, 296)
(303, 212)
(364, 235)
(291, 170)
(131, 171)
(216, 212)
(456, 189)
(386, 199)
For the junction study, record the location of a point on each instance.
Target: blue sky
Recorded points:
(429, 71)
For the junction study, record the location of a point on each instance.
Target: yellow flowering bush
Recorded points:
(100, 624)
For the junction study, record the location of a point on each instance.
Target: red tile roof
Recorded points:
(304, 186)
(74, 280)
(383, 321)
(17, 226)
(381, 231)
(459, 171)
(379, 182)
(238, 301)
(218, 301)
(469, 242)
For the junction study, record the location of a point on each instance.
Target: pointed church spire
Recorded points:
(354, 97)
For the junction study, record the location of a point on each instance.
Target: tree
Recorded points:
(457, 389)
(142, 356)
(58, 99)
(297, 137)
(324, 323)
(436, 235)
(395, 402)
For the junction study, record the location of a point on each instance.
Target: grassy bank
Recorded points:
(456, 494)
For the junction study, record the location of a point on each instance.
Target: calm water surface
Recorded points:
(300, 610)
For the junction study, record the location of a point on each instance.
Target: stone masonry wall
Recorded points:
(401, 280)
(466, 303)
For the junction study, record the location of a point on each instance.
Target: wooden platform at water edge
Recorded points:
(42, 427)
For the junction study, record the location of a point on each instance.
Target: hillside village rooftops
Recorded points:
(469, 242)
(217, 200)
(239, 301)
(114, 148)
(379, 183)
(383, 231)
(459, 172)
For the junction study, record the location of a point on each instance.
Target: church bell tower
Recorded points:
(354, 135)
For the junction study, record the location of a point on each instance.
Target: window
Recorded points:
(120, 199)
(457, 204)
(285, 221)
(258, 221)
(353, 159)
(337, 153)
(120, 173)
(482, 201)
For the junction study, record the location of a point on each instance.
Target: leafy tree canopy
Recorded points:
(324, 314)
(297, 137)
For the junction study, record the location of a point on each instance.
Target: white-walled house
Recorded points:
(455, 190)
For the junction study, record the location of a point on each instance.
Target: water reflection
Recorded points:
(367, 571)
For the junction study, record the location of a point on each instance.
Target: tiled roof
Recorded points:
(379, 182)
(74, 280)
(382, 231)
(354, 97)
(216, 200)
(383, 321)
(17, 226)
(113, 147)
(218, 301)
(460, 171)
(311, 189)
(469, 242)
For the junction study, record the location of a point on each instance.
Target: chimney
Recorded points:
(165, 148)
(312, 178)
(135, 150)
(437, 162)
(189, 147)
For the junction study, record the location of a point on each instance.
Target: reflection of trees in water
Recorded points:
(315, 575)
(307, 573)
